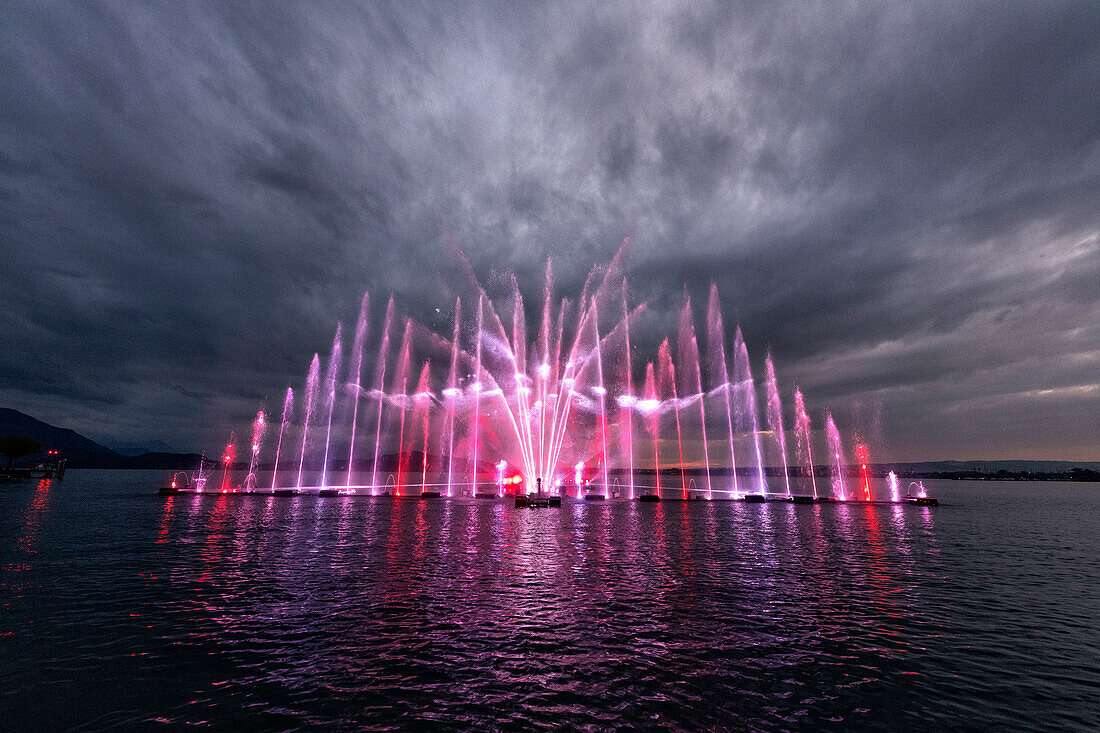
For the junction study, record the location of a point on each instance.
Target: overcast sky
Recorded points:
(901, 200)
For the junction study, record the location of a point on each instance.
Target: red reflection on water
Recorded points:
(213, 551)
(27, 541)
(165, 520)
(32, 518)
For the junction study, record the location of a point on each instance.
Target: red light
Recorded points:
(173, 484)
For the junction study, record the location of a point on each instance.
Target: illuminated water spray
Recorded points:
(476, 402)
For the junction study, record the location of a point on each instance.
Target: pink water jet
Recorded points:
(836, 453)
(288, 409)
(311, 394)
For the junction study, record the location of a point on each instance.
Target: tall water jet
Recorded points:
(421, 416)
(401, 377)
(836, 451)
(667, 373)
(380, 389)
(228, 455)
(895, 489)
(802, 435)
(601, 391)
(716, 348)
(330, 386)
(288, 408)
(745, 403)
(693, 377)
(650, 406)
(259, 425)
(451, 393)
(629, 380)
(357, 353)
(475, 387)
(864, 458)
(544, 472)
(775, 417)
(311, 394)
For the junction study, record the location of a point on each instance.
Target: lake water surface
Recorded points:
(122, 609)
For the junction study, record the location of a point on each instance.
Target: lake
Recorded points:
(123, 609)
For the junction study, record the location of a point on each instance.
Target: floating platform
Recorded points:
(535, 502)
(486, 495)
(544, 501)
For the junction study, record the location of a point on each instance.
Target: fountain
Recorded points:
(478, 409)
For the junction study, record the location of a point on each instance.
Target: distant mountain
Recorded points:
(990, 467)
(72, 444)
(82, 452)
(138, 449)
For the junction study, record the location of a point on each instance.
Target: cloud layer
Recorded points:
(901, 201)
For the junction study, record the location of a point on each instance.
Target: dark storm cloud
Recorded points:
(899, 200)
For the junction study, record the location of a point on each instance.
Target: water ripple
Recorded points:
(265, 614)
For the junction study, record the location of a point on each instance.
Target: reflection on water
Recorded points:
(274, 613)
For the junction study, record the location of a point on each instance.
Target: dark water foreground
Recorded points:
(121, 609)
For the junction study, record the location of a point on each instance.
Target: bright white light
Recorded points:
(599, 390)
(452, 392)
(647, 406)
(544, 370)
(475, 387)
(627, 400)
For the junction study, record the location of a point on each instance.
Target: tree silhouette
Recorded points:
(15, 447)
